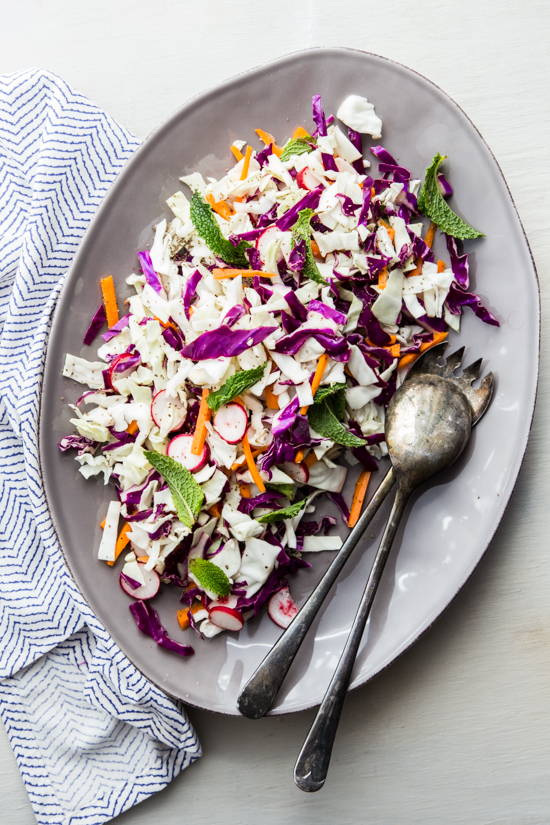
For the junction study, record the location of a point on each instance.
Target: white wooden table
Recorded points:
(458, 730)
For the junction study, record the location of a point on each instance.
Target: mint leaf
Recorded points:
(210, 576)
(297, 146)
(323, 419)
(433, 204)
(207, 227)
(286, 512)
(186, 493)
(325, 392)
(302, 230)
(234, 386)
(287, 490)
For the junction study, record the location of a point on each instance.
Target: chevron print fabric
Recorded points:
(91, 735)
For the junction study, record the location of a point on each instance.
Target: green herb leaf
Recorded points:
(325, 392)
(302, 230)
(286, 512)
(297, 146)
(186, 493)
(210, 576)
(287, 490)
(433, 204)
(234, 386)
(323, 417)
(207, 227)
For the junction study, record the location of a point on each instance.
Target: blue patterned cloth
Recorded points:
(91, 735)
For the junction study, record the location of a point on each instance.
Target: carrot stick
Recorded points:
(142, 559)
(265, 137)
(441, 266)
(246, 164)
(183, 615)
(315, 249)
(358, 497)
(311, 459)
(321, 364)
(220, 274)
(412, 356)
(222, 208)
(394, 350)
(299, 132)
(121, 543)
(245, 492)
(205, 413)
(389, 229)
(251, 465)
(237, 152)
(299, 457)
(214, 511)
(259, 451)
(102, 525)
(271, 399)
(109, 299)
(132, 427)
(382, 278)
(430, 234)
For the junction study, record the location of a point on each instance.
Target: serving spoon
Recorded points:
(428, 424)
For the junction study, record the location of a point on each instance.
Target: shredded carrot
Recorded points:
(191, 311)
(237, 465)
(321, 365)
(132, 427)
(382, 278)
(271, 399)
(220, 274)
(389, 229)
(109, 299)
(259, 451)
(251, 465)
(372, 192)
(102, 525)
(311, 459)
(121, 542)
(299, 132)
(430, 234)
(222, 208)
(265, 137)
(237, 152)
(412, 356)
(441, 266)
(418, 268)
(205, 414)
(299, 457)
(183, 615)
(245, 492)
(315, 249)
(246, 164)
(358, 497)
(214, 511)
(394, 349)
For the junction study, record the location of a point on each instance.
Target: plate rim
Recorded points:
(127, 169)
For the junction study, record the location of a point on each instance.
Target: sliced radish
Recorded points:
(224, 601)
(159, 405)
(226, 617)
(180, 450)
(281, 607)
(144, 591)
(230, 422)
(306, 179)
(272, 233)
(298, 472)
(121, 367)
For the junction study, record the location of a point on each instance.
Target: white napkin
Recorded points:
(91, 735)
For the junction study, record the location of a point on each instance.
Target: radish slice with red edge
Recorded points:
(231, 422)
(226, 617)
(160, 402)
(121, 367)
(143, 591)
(281, 607)
(297, 472)
(272, 233)
(180, 450)
(306, 179)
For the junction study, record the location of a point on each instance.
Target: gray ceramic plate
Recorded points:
(451, 523)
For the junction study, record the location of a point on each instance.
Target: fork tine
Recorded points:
(453, 362)
(427, 363)
(471, 373)
(481, 397)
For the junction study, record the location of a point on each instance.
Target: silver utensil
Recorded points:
(259, 693)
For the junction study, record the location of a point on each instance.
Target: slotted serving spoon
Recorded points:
(428, 424)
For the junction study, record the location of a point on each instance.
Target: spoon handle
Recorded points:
(311, 768)
(258, 694)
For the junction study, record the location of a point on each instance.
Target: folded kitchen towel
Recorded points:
(91, 735)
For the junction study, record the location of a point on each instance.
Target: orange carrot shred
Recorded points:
(205, 414)
(311, 459)
(142, 559)
(246, 164)
(220, 274)
(222, 208)
(245, 492)
(132, 427)
(441, 266)
(315, 249)
(321, 365)
(102, 525)
(121, 542)
(382, 278)
(299, 457)
(358, 497)
(265, 137)
(109, 299)
(214, 511)
(410, 358)
(183, 615)
(430, 234)
(271, 399)
(251, 465)
(237, 152)
(394, 349)
(299, 132)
